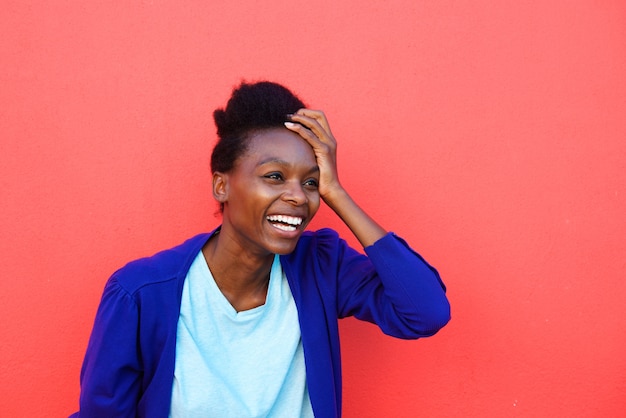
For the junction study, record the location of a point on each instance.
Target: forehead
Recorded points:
(278, 144)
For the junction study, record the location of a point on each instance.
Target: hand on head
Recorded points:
(313, 126)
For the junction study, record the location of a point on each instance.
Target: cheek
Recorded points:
(314, 204)
(250, 193)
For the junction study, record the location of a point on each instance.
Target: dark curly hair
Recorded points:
(251, 108)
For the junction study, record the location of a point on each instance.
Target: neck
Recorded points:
(241, 276)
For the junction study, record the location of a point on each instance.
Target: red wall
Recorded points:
(490, 134)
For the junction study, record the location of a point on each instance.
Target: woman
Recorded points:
(242, 321)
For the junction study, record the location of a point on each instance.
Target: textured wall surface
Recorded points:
(491, 135)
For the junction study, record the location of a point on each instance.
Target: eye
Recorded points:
(274, 176)
(311, 183)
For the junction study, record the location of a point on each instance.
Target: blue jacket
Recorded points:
(129, 365)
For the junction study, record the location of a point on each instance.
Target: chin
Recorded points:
(283, 242)
(282, 246)
(284, 249)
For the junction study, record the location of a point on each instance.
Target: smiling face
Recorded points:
(271, 194)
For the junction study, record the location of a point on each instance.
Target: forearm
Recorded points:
(364, 228)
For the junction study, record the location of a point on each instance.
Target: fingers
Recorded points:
(314, 121)
(320, 146)
(316, 115)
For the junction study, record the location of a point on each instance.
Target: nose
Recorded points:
(294, 193)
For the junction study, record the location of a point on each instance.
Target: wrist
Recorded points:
(334, 196)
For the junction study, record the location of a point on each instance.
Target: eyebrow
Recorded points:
(278, 161)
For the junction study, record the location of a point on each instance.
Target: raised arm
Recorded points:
(313, 126)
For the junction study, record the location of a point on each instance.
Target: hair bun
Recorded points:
(255, 106)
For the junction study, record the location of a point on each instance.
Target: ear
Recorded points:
(220, 186)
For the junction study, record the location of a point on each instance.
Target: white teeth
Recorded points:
(284, 227)
(285, 219)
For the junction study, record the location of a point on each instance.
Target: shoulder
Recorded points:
(166, 265)
(322, 241)
(323, 236)
(323, 248)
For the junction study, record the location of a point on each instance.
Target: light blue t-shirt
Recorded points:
(238, 364)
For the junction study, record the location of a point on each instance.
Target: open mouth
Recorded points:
(285, 222)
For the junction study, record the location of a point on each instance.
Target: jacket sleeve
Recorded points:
(111, 373)
(392, 287)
